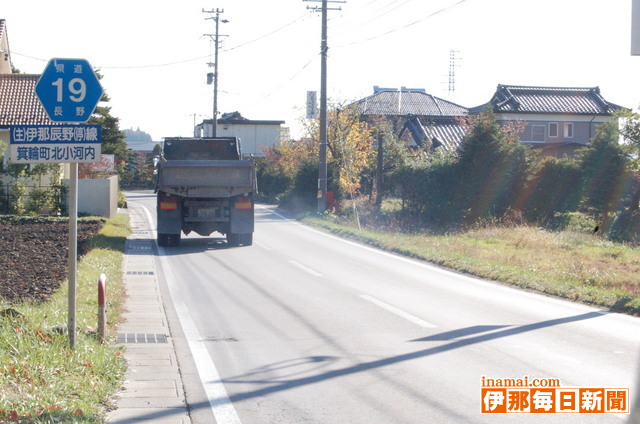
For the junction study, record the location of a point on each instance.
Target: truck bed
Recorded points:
(206, 178)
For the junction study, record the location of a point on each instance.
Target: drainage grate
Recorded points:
(140, 273)
(139, 247)
(141, 338)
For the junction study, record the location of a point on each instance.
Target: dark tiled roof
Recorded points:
(18, 101)
(445, 133)
(405, 103)
(521, 99)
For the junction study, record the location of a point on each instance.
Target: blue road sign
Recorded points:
(69, 90)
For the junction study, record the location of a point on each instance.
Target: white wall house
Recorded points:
(254, 135)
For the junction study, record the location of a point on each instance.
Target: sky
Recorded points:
(154, 55)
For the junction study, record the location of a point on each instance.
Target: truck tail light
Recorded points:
(168, 203)
(243, 202)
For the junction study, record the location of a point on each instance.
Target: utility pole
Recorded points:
(322, 162)
(216, 40)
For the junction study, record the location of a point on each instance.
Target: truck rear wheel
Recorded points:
(233, 239)
(174, 240)
(247, 239)
(168, 240)
(163, 240)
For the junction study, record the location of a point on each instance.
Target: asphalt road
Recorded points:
(303, 327)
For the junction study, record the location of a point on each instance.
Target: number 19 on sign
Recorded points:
(76, 86)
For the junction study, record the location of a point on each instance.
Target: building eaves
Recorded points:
(551, 100)
(19, 104)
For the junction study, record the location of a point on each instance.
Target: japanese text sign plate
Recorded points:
(55, 143)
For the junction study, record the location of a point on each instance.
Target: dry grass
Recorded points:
(577, 266)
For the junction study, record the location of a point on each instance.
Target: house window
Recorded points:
(568, 130)
(537, 133)
(553, 129)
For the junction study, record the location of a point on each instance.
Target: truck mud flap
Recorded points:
(169, 214)
(241, 215)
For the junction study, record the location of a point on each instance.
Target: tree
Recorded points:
(112, 138)
(278, 169)
(137, 135)
(350, 146)
(630, 130)
(604, 166)
(493, 167)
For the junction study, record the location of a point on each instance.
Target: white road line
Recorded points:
(443, 271)
(399, 312)
(262, 245)
(305, 268)
(221, 406)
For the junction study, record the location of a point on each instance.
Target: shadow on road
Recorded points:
(277, 385)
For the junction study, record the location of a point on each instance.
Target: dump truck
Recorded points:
(203, 185)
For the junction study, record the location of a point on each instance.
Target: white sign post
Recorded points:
(312, 105)
(69, 91)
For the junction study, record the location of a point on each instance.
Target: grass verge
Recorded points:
(41, 379)
(572, 265)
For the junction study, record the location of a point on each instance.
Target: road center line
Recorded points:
(399, 312)
(221, 406)
(305, 268)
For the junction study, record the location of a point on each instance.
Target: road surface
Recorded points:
(304, 327)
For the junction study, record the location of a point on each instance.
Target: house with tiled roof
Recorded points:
(417, 116)
(558, 120)
(19, 104)
(18, 101)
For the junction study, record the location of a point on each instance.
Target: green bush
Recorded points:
(572, 221)
(605, 180)
(626, 227)
(552, 190)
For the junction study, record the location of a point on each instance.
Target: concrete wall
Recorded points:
(98, 197)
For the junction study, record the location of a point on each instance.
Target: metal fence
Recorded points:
(40, 200)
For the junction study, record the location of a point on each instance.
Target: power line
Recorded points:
(384, 12)
(157, 65)
(394, 30)
(267, 34)
(178, 62)
(294, 76)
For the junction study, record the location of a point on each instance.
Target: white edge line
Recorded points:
(399, 312)
(221, 406)
(476, 280)
(305, 268)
